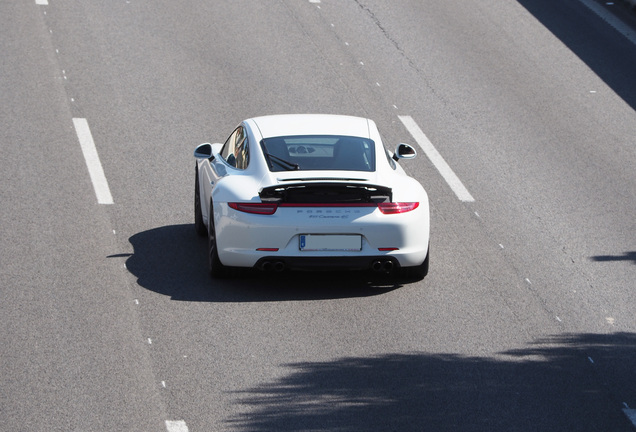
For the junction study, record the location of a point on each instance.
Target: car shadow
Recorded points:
(172, 260)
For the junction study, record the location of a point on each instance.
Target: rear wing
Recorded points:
(326, 193)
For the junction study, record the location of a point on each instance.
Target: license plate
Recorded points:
(323, 242)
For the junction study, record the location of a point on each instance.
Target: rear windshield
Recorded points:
(319, 152)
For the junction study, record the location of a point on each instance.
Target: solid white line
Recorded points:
(95, 170)
(606, 15)
(176, 426)
(431, 152)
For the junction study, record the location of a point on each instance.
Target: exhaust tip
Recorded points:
(266, 266)
(376, 266)
(279, 266)
(383, 266)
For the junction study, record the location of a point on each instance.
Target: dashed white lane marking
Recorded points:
(608, 17)
(431, 152)
(41, 2)
(176, 426)
(95, 170)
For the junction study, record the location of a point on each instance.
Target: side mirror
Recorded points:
(203, 151)
(404, 151)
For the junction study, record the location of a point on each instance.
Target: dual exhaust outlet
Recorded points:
(382, 266)
(273, 266)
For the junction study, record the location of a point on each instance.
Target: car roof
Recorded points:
(311, 124)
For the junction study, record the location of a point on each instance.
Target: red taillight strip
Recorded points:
(328, 205)
(270, 208)
(255, 208)
(398, 207)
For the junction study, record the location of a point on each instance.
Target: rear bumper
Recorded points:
(249, 240)
(376, 263)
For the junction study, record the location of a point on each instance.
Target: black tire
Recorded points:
(217, 269)
(199, 226)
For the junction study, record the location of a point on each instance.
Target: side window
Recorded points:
(241, 149)
(235, 151)
(227, 152)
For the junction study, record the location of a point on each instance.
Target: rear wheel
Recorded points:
(217, 269)
(199, 226)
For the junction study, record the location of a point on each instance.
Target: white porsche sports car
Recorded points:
(310, 192)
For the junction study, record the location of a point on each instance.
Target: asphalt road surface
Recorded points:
(526, 322)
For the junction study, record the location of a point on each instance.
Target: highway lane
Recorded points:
(552, 142)
(526, 320)
(70, 355)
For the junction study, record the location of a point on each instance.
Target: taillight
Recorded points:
(397, 207)
(255, 208)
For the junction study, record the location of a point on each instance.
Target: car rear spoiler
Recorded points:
(326, 193)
